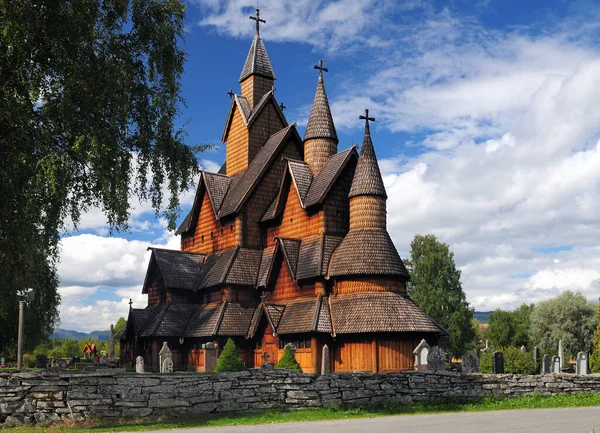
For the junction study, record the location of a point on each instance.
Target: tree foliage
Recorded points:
(515, 361)
(595, 358)
(567, 317)
(121, 323)
(510, 328)
(435, 287)
(230, 359)
(288, 360)
(89, 97)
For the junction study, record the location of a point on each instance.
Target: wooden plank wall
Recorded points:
(285, 286)
(156, 291)
(236, 150)
(379, 354)
(370, 284)
(336, 209)
(266, 124)
(209, 235)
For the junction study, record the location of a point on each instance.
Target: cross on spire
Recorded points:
(321, 68)
(367, 118)
(258, 20)
(282, 107)
(231, 94)
(130, 302)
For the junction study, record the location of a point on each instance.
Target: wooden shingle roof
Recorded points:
(324, 181)
(367, 176)
(257, 61)
(366, 252)
(178, 269)
(320, 122)
(236, 319)
(314, 255)
(215, 268)
(379, 312)
(245, 266)
(204, 321)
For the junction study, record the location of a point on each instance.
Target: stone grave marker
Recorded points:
(421, 352)
(167, 366)
(436, 359)
(325, 360)
(498, 363)
(546, 367)
(265, 366)
(139, 365)
(523, 348)
(582, 363)
(536, 355)
(561, 354)
(210, 357)
(2, 362)
(556, 364)
(164, 354)
(470, 362)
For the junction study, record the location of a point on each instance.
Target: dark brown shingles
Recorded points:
(236, 320)
(266, 265)
(204, 320)
(275, 312)
(367, 177)
(320, 122)
(323, 182)
(302, 178)
(174, 321)
(223, 169)
(217, 186)
(244, 107)
(215, 268)
(255, 321)
(298, 317)
(179, 270)
(290, 249)
(378, 312)
(244, 182)
(330, 243)
(138, 318)
(271, 211)
(185, 225)
(324, 319)
(366, 252)
(153, 321)
(257, 61)
(309, 258)
(244, 269)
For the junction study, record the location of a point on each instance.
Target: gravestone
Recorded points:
(556, 364)
(582, 363)
(421, 352)
(210, 357)
(436, 359)
(2, 362)
(523, 348)
(561, 353)
(265, 365)
(498, 363)
(325, 360)
(164, 354)
(139, 365)
(487, 346)
(470, 362)
(546, 365)
(167, 366)
(536, 355)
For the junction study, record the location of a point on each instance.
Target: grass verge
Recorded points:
(488, 404)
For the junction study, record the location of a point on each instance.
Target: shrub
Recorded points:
(288, 360)
(230, 359)
(515, 361)
(29, 360)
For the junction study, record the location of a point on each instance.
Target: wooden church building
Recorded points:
(287, 243)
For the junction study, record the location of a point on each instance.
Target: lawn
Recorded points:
(531, 402)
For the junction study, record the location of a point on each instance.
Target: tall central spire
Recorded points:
(257, 76)
(320, 139)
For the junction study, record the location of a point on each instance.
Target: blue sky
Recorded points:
(487, 133)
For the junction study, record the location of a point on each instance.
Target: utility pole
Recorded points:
(20, 340)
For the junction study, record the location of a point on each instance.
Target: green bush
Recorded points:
(230, 359)
(288, 360)
(29, 360)
(515, 361)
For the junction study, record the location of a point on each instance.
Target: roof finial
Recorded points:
(367, 118)
(258, 21)
(282, 107)
(321, 68)
(130, 303)
(231, 94)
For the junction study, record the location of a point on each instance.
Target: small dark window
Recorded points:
(259, 345)
(212, 235)
(307, 345)
(221, 231)
(291, 220)
(202, 238)
(301, 345)
(231, 228)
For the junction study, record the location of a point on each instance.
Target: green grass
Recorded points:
(488, 404)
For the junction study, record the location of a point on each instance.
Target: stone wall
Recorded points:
(46, 397)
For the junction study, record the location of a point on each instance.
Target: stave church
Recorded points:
(287, 243)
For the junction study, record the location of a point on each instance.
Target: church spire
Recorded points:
(320, 139)
(257, 62)
(367, 177)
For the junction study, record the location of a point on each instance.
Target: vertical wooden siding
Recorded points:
(286, 288)
(370, 284)
(396, 354)
(236, 150)
(377, 354)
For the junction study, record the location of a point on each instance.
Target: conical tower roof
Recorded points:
(257, 62)
(320, 123)
(367, 177)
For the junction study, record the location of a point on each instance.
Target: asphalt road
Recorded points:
(576, 420)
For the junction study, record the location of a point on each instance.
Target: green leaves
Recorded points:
(435, 287)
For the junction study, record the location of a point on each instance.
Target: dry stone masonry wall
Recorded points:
(46, 397)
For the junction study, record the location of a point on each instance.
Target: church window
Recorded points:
(202, 238)
(212, 235)
(221, 231)
(231, 228)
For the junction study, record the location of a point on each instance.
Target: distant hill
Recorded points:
(482, 316)
(95, 335)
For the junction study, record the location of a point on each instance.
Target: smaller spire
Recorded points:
(320, 122)
(367, 177)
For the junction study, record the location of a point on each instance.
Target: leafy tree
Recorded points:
(121, 323)
(515, 361)
(89, 97)
(501, 330)
(70, 348)
(288, 360)
(595, 358)
(522, 319)
(230, 359)
(435, 287)
(567, 317)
